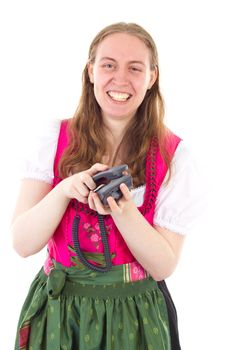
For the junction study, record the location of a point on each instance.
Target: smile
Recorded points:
(119, 96)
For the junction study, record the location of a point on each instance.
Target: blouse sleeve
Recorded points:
(38, 160)
(181, 202)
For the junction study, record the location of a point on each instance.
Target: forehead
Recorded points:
(122, 45)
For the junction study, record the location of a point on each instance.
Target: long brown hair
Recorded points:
(88, 142)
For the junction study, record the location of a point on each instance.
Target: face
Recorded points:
(121, 75)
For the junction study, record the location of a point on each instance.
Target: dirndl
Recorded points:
(79, 309)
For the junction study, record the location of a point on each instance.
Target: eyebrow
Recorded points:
(112, 59)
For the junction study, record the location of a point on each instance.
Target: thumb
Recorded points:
(97, 167)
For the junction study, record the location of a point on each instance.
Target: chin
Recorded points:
(118, 114)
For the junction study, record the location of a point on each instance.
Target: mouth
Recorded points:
(119, 96)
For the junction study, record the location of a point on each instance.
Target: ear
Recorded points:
(90, 72)
(153, 77)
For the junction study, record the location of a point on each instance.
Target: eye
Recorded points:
(108, 66)
(135, 69)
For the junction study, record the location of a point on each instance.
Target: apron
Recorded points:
(76, 308)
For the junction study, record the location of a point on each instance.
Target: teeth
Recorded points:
(118, 96)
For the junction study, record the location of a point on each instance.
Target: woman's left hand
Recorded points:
(119, 208)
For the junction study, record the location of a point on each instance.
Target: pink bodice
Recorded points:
(61, 243)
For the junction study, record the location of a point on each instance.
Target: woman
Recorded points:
(102, 285)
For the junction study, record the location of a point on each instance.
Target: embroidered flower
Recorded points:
(93, 233)
(95, 238)
(137, 272)
(86, 226)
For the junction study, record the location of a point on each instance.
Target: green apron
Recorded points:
(76, 308)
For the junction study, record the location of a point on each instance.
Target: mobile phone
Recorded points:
(108, 182)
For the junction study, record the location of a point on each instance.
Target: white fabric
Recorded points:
(179, 204)
(38, 159)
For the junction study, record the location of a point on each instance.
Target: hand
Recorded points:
(79, 185)
(119, 208)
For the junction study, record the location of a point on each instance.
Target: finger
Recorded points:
(125, 191)
(114, 207)
(91, 201)
(80, 198)
(96, 168)
(99, 206)
(82, 189)
(87, 180)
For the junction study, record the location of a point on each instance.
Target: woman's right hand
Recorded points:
(40, 208)
(79, 185)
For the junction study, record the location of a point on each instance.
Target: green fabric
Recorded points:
(75, 309)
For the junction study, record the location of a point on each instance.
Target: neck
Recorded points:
(114, 131)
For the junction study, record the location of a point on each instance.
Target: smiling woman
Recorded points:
(121, 72)
(135, 240)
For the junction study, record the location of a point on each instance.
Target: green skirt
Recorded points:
(75, 309)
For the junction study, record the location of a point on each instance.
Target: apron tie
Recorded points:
(47, 295)
(55, 284)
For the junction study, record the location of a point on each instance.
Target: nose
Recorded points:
(121, 76)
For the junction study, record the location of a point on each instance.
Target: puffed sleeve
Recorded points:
(181, 202)
(38, 159)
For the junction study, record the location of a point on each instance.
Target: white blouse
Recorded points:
(179, 204)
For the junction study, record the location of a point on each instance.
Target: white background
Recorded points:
(43, 51)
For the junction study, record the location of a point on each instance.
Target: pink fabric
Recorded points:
(136, 272)
(89, 233)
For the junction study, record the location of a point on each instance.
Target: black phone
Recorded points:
(108, 182)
